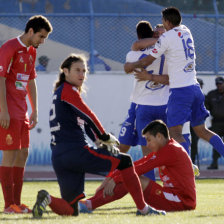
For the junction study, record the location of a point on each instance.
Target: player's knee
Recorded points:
(125, 161)
(202, 132)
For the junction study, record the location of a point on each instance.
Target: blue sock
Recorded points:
(217, 144)
(150, 175)
(186, 147)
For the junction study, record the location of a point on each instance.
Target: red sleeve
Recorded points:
(160, 158)
(72, 96)
(6, 58)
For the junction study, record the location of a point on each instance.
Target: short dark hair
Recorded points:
(144, 29)
(173, 15)
(155, 127)
(37, 23)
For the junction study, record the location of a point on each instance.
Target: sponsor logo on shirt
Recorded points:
(22, 77)
(180, 35)
(19, 52)
(1, 68)
(154, 51)
(8, 139)
(189, 67)
(20, 85)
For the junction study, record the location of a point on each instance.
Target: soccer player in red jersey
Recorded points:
(178, 191)
(17, 79)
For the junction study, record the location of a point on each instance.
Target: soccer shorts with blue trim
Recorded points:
(128, 133)
(186, 104)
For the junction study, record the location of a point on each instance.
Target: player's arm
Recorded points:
(73, 98)
(143, 75)
(4, 114)
(32, 94)
(143, 43)
(142, 63)
(6, 60)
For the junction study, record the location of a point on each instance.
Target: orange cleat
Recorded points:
(24, 208)
(13, 209)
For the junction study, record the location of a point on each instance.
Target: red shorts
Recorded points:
(157, 197)
(17, 136)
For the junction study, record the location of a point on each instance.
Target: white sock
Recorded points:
(144, 210)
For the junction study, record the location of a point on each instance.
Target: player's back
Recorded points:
(180, 55)
(149, 92)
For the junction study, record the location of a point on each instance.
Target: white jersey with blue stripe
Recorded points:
(178, 46)
(149, 92)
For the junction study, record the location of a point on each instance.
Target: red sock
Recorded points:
(7, 185)
(133, 185)
(98, 200)
(60, 206)
(18, 173)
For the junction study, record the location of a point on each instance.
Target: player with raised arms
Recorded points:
(72, 157)
(186, 100)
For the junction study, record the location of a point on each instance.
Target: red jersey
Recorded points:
(17, 65)
(175, 170)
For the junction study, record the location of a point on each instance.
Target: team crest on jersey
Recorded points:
(158, 192)
(21, 59)
(189, 67)
(8, 139)
(1, 68)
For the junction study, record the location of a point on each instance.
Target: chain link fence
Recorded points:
(108, 38)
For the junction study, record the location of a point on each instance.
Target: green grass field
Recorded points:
(210, 207)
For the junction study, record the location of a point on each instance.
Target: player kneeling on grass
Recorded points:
(72, 157)
(178, 191)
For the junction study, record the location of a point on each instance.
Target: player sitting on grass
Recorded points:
(178, 191)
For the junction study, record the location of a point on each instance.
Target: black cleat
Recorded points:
(41, 204)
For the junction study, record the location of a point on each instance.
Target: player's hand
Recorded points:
(112, 149)
(103, 184)
(111, 141)
(109, 188)
(128, 67)
(4, 120)
(33, 120)
(143, 75)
